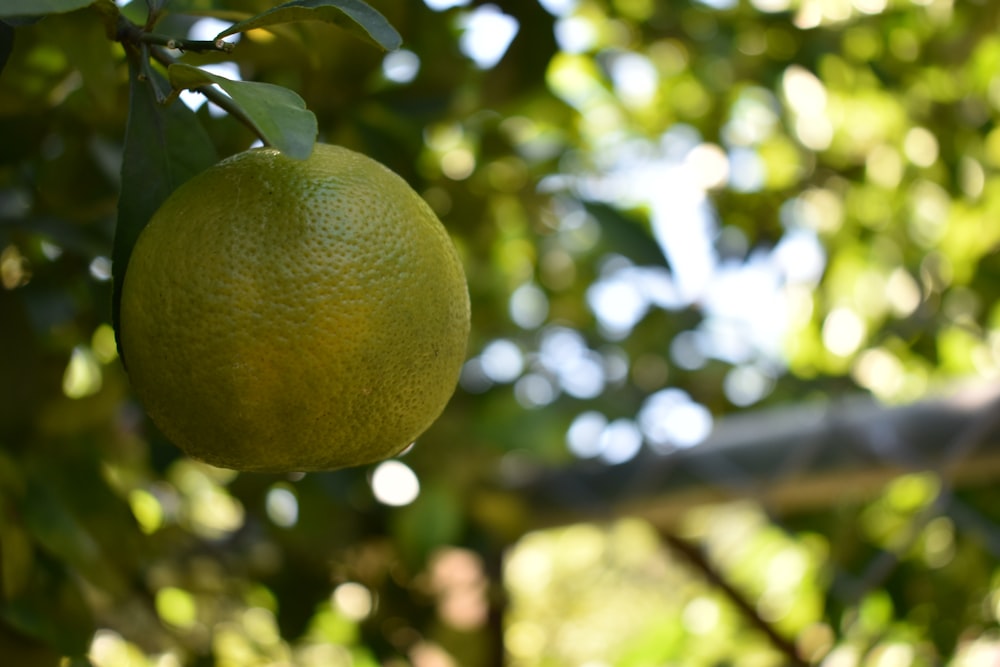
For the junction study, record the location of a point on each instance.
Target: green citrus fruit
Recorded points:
(282, 315)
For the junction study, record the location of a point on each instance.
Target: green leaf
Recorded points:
(627, 233)
(6, 43)
(80, 661)
(56, 529)
(205, 8)
(433, 520)
(53, 610)
(354, 16)
(164, 146)
(39, 7)
(84, 41)
(279, 115)
(17, 556)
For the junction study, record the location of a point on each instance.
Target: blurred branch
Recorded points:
(790, 459)
(695, 557)
(959, 449)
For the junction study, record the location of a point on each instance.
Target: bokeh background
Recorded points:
(730, 396)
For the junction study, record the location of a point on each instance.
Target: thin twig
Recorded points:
(129, 32)
(194, 45)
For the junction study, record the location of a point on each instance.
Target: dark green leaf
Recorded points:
(52, 610)
(627, 234)
(16, 558)
(56, 529)
(6, 43)
(38, 7)
(206, 8)
(352, 15)
(137, 12)
(80, 661)
(278, 114)
(164, 146)
(83, 39)
(432, 521)
(21, 21)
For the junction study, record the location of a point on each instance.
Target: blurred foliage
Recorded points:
(668, 211)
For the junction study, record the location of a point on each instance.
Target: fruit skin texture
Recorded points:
(283, 315)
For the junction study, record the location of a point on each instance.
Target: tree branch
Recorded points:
(694, 556)
(153, 45)
(960, 448)
(129, 32)
(795, 458)
(194, 45)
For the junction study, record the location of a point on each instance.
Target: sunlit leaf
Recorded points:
(354, 16)
(164, 146)
(278, 114)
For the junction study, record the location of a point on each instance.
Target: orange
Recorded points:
(287, 315)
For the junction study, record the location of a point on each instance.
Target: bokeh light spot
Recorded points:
(584, 435)
(395, 484)
(147, 510)
(282, 505)
(529, 307)
(100, 268)
(534, 390)
(502, 361)
(176, 607)
(921, 147)
(843, 331)
(353, 600)
(82, 376)
(488, 33)
(670, 419)
(620, 441)
(442, 5)
(401, 66)
(701, 616)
